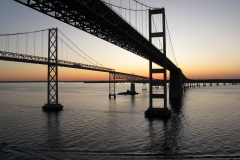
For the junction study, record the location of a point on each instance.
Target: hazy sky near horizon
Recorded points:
(205, 36)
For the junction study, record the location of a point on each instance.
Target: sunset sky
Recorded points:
(205, 36)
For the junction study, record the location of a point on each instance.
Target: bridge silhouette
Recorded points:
(53, 62)
(98, 18)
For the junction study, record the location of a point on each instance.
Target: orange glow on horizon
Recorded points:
(29, 72)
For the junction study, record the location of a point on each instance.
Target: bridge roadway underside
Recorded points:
(96, 18)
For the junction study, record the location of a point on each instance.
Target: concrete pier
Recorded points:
(144, 88)
(52, 107)
(175, 90)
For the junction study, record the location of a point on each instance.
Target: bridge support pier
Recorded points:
(52, 97)
(132, 87)
(112, 85)
(175, 90)
(158, 112)
(144, 88)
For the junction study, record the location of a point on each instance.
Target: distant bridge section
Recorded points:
(8, 56)
(213, 81)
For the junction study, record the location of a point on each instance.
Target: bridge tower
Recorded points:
(158, 112)
(52, 86)
(112, 85)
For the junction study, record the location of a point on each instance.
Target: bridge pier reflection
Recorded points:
(175, 90)
(164, 133)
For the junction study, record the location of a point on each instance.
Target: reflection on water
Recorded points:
(204, 122)
(52, 128)
(164, 133)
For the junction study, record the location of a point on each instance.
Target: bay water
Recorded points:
(204, 123)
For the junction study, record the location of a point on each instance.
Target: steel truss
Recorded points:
(8, 56)
(96, 18)
(52, 67)
(112, 85)
(52, 86)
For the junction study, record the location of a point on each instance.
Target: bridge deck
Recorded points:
(96, 18)
(8, 56)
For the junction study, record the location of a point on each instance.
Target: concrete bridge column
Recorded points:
(175, 90)
(133, 87)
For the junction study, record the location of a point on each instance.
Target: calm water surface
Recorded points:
(204, 124)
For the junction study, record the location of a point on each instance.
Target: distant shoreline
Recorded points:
(123, 81)
(67, 82)
(35, 81)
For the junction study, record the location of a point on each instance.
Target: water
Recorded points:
(204, 124)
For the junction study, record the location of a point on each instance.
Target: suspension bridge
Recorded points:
(141, 30)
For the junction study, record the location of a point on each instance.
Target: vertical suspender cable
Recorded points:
(34, 41)
(42, 43)
(142, 19)
(26, 42)
(121, 6)
(8, 43)
(16, 45)
(125, 14)
(146, 21)
(67, 50)
(129, 13)
(136, 16)
(171, 40)
(62, 47)
(139, 20)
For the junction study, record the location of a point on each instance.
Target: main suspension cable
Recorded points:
(170, 40)
(79, 49)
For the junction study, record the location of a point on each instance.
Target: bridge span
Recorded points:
(97, 18)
